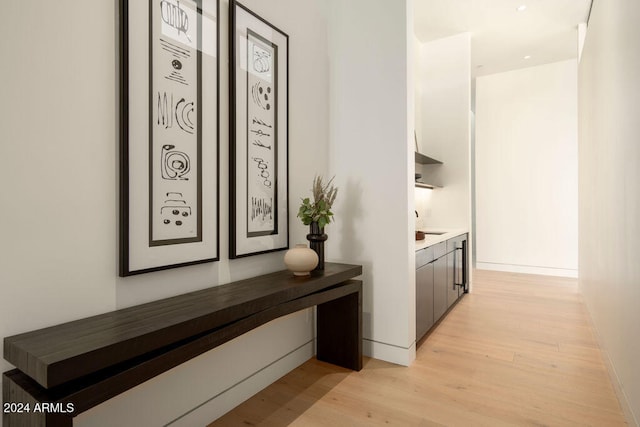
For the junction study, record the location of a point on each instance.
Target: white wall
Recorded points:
(58, 138)
(371, 154)
(417, 89)
(526, 170)
(609, 235)
(58, 127)
(444, 132)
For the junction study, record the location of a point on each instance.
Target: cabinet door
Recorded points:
(424, 256)
(455, 242)
(456, 268)
(424, 300)
(452, 288)
(439, 287)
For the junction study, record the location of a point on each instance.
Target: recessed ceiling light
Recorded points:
(521, 7)
(527, 57)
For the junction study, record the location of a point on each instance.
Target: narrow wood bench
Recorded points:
(64, 370)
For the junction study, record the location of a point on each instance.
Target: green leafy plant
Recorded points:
(320, 210)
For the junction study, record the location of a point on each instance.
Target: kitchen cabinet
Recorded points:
(424, 299)
(431, 287)
(440, 280)
(456, 268)
(424, 291)
(440, 287)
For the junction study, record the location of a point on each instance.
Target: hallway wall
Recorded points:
(609, 207)
(527, 170)
(371, 155)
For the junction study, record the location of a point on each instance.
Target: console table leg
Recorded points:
(339, 331)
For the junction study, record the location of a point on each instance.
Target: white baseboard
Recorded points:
(225, 401)
(389, 352)
(620, 394)
(545, 271)
(613, 375)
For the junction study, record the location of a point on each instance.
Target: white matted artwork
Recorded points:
(258, 135)
(169, 134)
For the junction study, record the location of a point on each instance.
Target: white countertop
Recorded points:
(432, 239)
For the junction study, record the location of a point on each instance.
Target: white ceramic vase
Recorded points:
(301, 260)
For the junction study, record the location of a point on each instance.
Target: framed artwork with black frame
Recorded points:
(258, 130)
(169, 133)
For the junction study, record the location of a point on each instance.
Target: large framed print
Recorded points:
(169, 86)
(258, 128)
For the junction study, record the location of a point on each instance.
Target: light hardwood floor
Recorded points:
(518, 350)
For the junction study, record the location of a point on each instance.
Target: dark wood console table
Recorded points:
(67, 369)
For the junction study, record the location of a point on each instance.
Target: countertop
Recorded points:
(432, 239)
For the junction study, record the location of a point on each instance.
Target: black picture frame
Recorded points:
(258, 134)
(169, 134)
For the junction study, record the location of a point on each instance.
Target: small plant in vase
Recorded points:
(317, 215)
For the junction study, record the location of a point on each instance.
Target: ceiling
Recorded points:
(501, 36)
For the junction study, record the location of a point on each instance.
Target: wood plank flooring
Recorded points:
(519, 350)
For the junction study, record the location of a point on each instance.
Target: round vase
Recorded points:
(300, 260)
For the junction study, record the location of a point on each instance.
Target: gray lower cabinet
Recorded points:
(456, 268)
(440, 287)
(424, 299)
(452, 289)
(440, 280)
